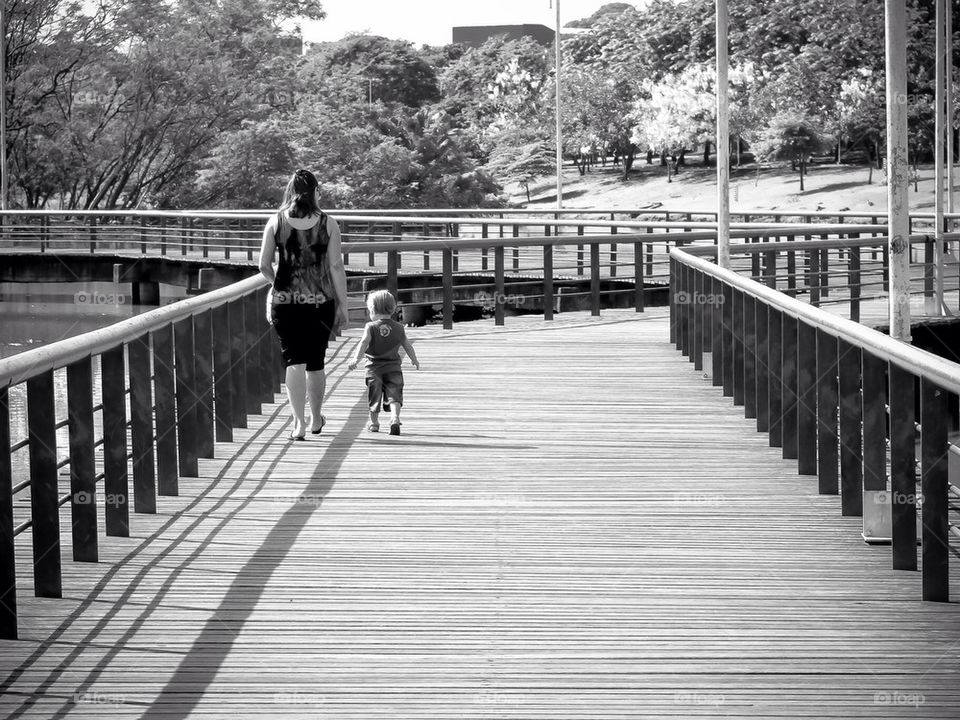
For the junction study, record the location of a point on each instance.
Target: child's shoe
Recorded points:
(395, 427)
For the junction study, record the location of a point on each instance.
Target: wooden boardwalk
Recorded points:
(574, 524)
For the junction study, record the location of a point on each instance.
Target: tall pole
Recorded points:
(935, 303)
(723, 140)
(3, 107)
(948, 55)
(559, 137)
(898, 213)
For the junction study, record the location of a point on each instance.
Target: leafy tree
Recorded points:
(521, 155)
(791, 136)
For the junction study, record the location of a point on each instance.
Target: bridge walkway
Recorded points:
(574, 524)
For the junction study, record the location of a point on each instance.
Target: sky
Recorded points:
(431, 21)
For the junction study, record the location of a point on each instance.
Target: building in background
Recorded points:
(477, 35)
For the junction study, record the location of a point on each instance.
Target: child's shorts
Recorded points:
(388, 386)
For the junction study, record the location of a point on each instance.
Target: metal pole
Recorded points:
(723, 140)
(559, 138)
(948, 55)
(898, 219)
(934, 305)
(3, 106)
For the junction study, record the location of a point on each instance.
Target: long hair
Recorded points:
(300, 197)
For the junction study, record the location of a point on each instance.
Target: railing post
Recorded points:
(929, 277)
(851, 440)
(116, 485)
(806, 399)
(770, 269)
(728, 341)
(813, 277)
(790, 375)
(484, 233)
(498, 285)
(774, 362)
(186, 393)
(638, 299)
(223, 374)
(903, 489)
(426, 253)
(791, 269)
(8, 559)
(649, 272)
(716, 332)
(580, 254)
(934, 486)
(83, 471)
(762, 366)
(455, 256)
(876, 505)
(696, 326)
(44, 232)
(398, 260)
(613, 251)
(44, 499)
(393, 264)
(93, 234)
(205, 236)
(247, 225)
(749, 357)
(548, 282)
(447, 289)
(238, 365)
(184, 224)
(141, 426)
(203, 345)
(516, 249)
(853, 281)
(738, 351)
(265, 369)
(827, 414)
(673, 307)
(371, 257)
(163, 235)
(595, 279)
(251, 354)
(164, 389)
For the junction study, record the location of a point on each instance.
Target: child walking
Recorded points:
(381, 342)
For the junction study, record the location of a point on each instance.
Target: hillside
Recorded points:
(826, 188)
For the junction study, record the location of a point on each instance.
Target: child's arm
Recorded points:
(361, 348)
(411, 353)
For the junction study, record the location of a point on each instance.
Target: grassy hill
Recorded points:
(826, 187)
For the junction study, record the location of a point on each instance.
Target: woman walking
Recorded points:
(308, 300)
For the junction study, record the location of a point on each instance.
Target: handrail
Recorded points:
(937, 370)
(18, 368)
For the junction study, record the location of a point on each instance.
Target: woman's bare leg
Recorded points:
(296, 384)
(316, 387)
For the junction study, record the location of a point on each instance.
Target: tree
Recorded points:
(791, 136)
(520, 155)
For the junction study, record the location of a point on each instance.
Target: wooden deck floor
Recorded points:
(574, 524)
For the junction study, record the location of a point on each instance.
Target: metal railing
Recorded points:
(172, 382)
(836, 396)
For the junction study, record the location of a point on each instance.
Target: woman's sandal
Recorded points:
(373, 427)
(323, 421)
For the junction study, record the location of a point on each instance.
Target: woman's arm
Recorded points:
(338, 275)
(268, 248)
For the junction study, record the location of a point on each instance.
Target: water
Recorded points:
(36, 314)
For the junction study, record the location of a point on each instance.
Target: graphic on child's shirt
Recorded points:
(384, 330)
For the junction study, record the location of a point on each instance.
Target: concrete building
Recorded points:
(476, 35)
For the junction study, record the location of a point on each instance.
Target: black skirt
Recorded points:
(304, 331)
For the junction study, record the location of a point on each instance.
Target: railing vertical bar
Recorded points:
(116, 478)
(749, 357)
(83, 473)
(186, 392)
(791, 269)
(696, 326)
(222, 374)
(853, 281)
(393, 265)
(673, 308)
(580, 253)
(873, 405)
(903, 489)
(266, 371)
(851, 439)
(238, 366)
(44, 494)
(789, 397)
(638, 299)
(251, 354)
(828, 457)
(806, 399)
(728, 340)
(548, 282)
(738, 350)
(716, 332)
(141, 425)
(935, 537)
(8, 558)
(165, 409)
(447, 289)
(595, 279)
(774, 376)
(498, 292)
(203, 346)
(762, 385)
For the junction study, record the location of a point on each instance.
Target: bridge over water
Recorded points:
(578, 521)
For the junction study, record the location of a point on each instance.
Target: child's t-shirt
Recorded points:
(383, 353)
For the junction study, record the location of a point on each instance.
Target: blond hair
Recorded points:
(381, 302)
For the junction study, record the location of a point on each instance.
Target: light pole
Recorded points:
(3, 105)
(556, 42)
(723, 140)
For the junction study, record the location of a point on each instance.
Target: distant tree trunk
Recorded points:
(706, 152)
(738, 151)
(682, 158)
(870, 176)
(876, 151)
(663, 157)
(628, 157)
(803, 165)
(649, 157)
(526, 185)
(669, 172)
(839, 155)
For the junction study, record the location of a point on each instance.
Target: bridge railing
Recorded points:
(838, 397)
(142, 400)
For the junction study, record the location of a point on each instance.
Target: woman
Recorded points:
(308, 302)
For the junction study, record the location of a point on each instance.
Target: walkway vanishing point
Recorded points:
(574, 524)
